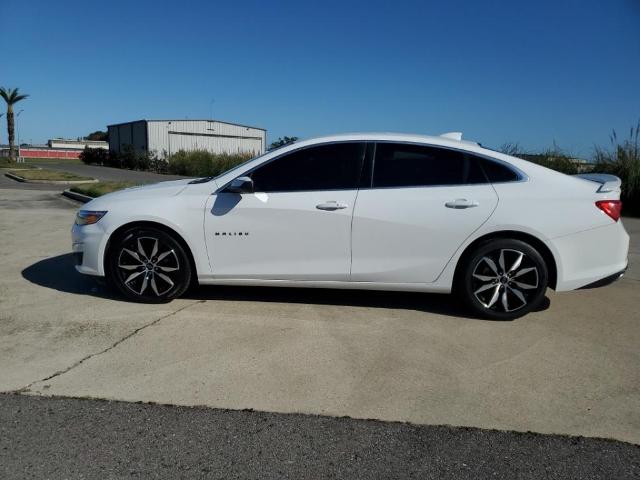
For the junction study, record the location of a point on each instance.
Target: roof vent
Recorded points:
(452, 136)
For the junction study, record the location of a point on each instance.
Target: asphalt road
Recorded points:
(72, 438)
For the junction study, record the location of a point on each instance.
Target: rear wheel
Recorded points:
(148, 265)
(503, 279)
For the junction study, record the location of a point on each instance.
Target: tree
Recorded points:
(282, 141)
(98, 135)
(11, 96)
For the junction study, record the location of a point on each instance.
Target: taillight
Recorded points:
(611, 208)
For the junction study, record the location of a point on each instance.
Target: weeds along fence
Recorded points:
(622, 159)
(197, 163)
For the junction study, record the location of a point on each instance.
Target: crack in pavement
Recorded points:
(111, 347)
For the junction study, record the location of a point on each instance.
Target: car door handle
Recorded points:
(331, 205)
(461, 203)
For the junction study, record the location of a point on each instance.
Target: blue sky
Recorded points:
(532, 72)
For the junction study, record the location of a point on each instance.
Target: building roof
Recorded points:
(186, 120)
(64, 140)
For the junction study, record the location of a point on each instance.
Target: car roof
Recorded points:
(445, 140)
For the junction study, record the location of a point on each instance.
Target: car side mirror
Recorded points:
(241, 185)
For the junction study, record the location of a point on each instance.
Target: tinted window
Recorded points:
(498, 172)
(326, 167)
(401, 165)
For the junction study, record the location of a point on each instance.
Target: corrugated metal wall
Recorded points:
(167, 137)
(133, 133)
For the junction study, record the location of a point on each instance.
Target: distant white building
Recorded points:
(166, 137)
(76, 144)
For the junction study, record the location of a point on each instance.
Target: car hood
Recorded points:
(154, 190)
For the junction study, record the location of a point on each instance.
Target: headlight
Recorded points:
(88, 217)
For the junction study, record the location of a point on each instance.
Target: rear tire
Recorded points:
(502, 279)
(148, 265)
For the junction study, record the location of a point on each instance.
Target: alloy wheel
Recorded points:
(148, 266)
(505, 280)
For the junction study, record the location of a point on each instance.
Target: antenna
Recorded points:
(452, 136)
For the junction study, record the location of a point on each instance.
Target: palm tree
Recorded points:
(11, 96)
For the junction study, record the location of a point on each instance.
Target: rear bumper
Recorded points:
(603, 282)
(591, 256)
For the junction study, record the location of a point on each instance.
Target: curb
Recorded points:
(14, 177)
(20, 169)
(80, 197)
(51, 182)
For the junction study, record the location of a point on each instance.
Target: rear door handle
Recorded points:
(331, 206)
(461, 203)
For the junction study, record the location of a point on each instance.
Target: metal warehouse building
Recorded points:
(165, 137)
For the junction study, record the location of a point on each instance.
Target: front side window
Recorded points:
(406, 165)
(334, 166)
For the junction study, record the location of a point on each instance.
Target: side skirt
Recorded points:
(400, 287)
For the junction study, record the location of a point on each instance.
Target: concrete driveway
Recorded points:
(573, 368)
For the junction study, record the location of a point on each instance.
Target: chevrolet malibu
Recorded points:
(364, 211)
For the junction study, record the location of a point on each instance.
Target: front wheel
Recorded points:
(503, 279)
(148, 265)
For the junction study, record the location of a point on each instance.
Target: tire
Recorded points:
(148, 265)
(503, 279)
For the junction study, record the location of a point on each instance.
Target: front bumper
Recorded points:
(88, 245)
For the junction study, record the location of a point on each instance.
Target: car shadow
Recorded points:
(435, 303)
(58, 273)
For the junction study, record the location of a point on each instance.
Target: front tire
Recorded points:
(148, 265)
(503, 279)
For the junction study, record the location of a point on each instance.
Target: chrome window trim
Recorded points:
(522, 177)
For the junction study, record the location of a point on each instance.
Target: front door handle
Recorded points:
(461, 203)
(331, 206)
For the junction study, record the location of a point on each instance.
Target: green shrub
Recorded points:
(623, 160)
(128, 158)
(95, 156)
(201, 163)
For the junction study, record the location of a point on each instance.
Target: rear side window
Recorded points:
(498, 172)
(326, 167)
(404, 165)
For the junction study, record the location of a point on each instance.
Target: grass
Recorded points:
(5, 163)
(50, 175)
(16, 166)
(53, 160)
(101, 188)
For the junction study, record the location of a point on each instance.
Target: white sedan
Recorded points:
(364, 211)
